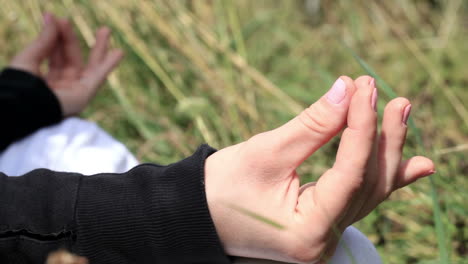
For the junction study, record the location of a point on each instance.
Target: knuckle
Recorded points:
(315, 121)
(355, 182)
(365, 128)
(354, 186)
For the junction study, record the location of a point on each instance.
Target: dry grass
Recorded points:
(221, 71)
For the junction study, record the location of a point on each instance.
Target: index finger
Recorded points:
(336, 189)
(71, 45)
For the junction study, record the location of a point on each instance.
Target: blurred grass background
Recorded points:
(221, 71)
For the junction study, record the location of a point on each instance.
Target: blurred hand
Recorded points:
(259, 176)
(64, 257)
(73, 82)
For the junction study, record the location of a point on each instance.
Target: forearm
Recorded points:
(151, 214)
(26, 104)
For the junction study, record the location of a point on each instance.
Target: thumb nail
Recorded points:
(338, 92)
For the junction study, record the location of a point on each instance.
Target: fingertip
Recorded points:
(103, 31)
(421, 162)
(116, 54)
(395, 113)
(398, 103)
(49, 22)
(110, 61)
(47, 17)
(426, 165)
(362, 111)
(415, 168)
(340, 92)
(346, 79)
(364, 80)
(41, 47)
(365, 85)
(350, 87)
(314, 126)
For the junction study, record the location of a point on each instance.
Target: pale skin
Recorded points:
(74, 81)
(260, 174)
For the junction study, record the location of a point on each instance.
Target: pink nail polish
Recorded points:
(338, 92)
(406, 114)
(374, 99)
(429, 173)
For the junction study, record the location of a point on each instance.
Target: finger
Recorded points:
(71, 45)
(56, 62)
(413, 169)
(99, 50)
(391, 143)
(337, 187)
(98, 75)
(371, 172)
(392, 140)
(409, 171)
(31, 57)
(300, 137)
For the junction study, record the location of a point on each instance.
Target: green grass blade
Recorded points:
(382, 84)
(257, 216)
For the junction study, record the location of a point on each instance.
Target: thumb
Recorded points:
(30, 58)
(296, 140)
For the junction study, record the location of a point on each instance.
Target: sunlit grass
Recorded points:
(221, 71)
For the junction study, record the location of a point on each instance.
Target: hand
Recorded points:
(64, 257)
(259, 176)
(73, 82)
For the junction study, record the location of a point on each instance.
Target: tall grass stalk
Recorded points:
(221, 71)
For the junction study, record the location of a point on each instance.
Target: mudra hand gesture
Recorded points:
(73, 81)
(259, 175)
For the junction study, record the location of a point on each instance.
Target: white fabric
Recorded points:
(354, 248)
(76, 145)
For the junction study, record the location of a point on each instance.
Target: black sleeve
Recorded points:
(26, 104)
(150, 214)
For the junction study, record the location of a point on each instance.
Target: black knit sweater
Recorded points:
(150, 214)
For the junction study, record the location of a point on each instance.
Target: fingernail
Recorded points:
(429, 173)
(406, 113)
(338, 92)
(374, 94)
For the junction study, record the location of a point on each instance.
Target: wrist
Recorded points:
(230, 205)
